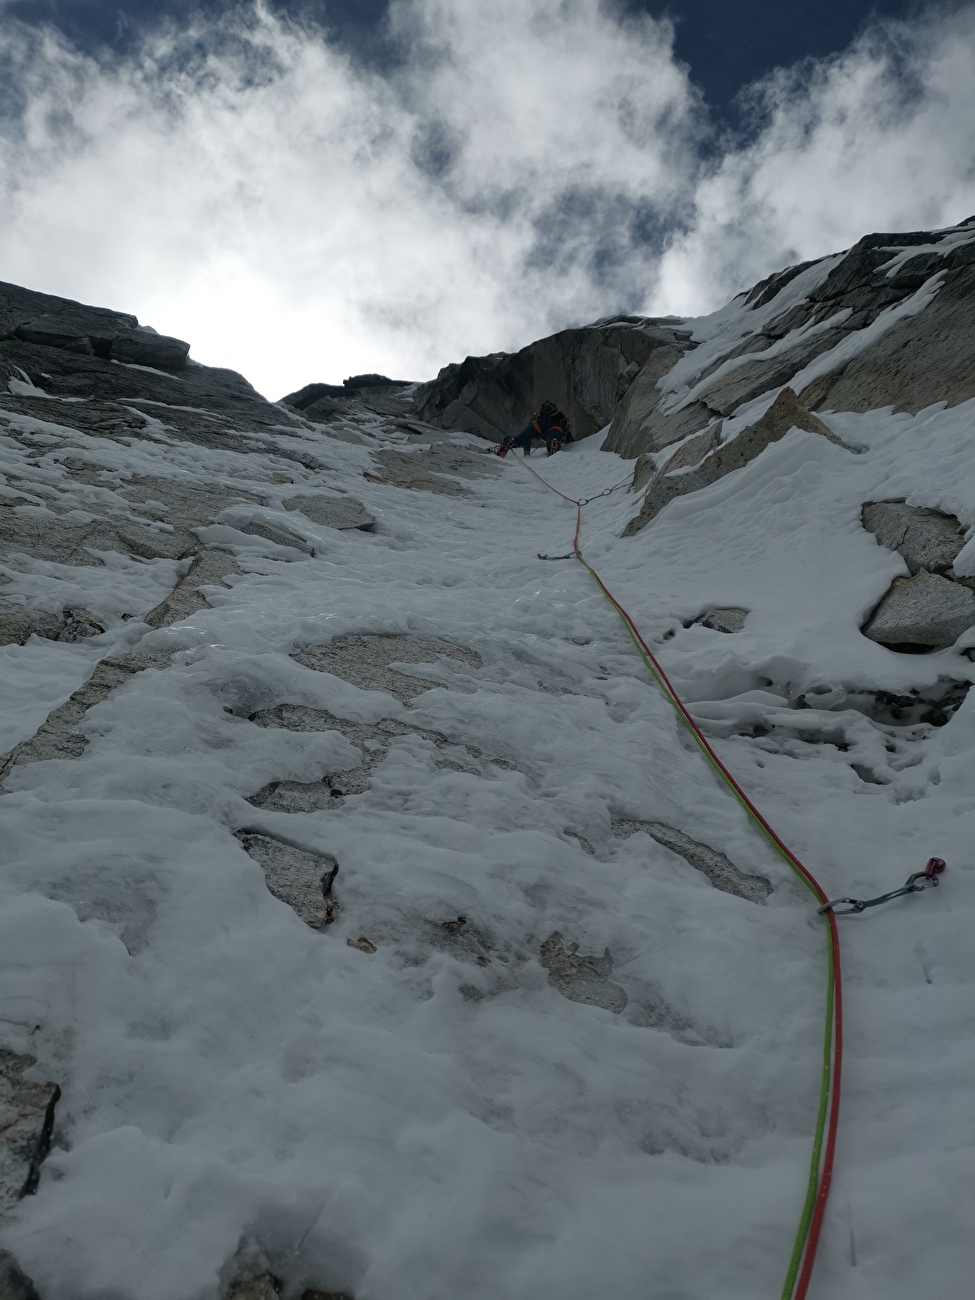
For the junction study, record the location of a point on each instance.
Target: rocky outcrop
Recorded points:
(727, 620)
(586, 371)
(435, 469)
(927, 539)
(859, 321)
(333, 512)
(60, 736)
(931, 609)
(926, 610)
(785, 413)
(207, 569)
(56, 347)
(69, 326)
(922, 359)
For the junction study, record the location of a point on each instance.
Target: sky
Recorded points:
(305, 191)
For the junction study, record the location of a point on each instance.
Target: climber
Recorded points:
(548, 423)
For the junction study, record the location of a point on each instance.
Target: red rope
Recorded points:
(829, 1150)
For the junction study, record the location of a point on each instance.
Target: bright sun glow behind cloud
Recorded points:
(528, 164)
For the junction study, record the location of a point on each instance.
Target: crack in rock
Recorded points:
(59, 736)
(26, 1126)
(718, 868)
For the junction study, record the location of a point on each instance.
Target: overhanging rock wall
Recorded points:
(586, 371)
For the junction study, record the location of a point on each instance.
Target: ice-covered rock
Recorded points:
(925, 610)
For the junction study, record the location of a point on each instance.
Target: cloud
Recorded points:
(245, 184)
(878, 138)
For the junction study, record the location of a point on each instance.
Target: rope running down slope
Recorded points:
(803, 1257)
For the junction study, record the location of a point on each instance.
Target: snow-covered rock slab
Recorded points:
(333, 512)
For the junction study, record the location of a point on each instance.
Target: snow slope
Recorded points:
(435, 1121)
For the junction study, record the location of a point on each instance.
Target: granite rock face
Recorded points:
(925, 610)
(301, 879)
(586, 371)
(927, 539)
(785, 413)
(910, 359)
(333, 512)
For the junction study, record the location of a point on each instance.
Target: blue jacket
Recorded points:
(543, 426)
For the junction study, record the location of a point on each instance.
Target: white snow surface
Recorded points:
(410, 1124)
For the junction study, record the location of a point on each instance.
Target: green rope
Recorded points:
(812, 1187)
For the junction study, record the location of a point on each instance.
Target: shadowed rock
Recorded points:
(586, 371)
(14, 1284)
(26, 1124)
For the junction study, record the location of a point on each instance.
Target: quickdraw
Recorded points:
(916, 884)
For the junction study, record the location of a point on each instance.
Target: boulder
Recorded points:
(927, 539)
(925, 610)
(723, 620)
(785, 413)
